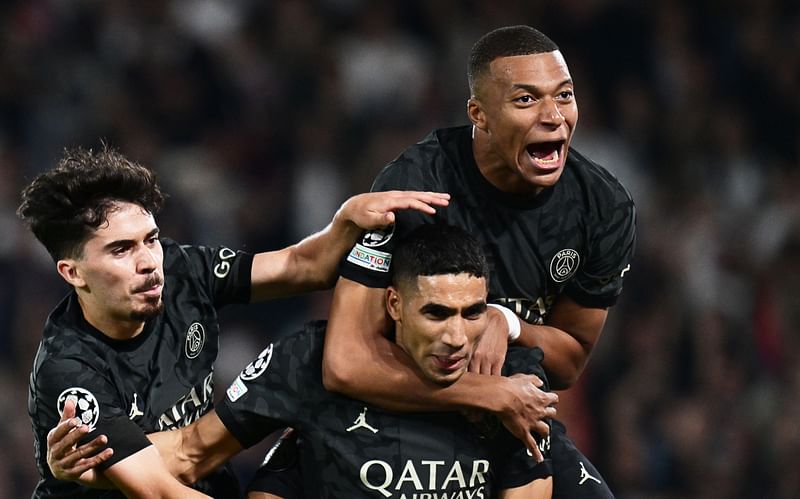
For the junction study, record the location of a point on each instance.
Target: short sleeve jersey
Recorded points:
(352, 449)
(160, 380)
(576, 237)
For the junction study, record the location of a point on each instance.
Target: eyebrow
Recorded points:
(536, 90)
(438, 307)
(128, 242)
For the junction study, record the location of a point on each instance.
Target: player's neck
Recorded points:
(496, 170)
(113, 328)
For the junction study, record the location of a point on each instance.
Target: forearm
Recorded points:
(309, 265)
(359, 361)
(196, 450)
(567, 340)
(564, 356)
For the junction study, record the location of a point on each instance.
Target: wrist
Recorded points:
(512, 320)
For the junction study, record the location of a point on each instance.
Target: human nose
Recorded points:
(455, 337)
(550, 113)
(148, 260)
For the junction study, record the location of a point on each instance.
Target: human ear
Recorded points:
(393, 303)
(68, 270)
(476, 113)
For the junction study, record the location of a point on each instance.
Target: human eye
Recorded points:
(566, 95)
(436, 312)
(119, 250)
(525, 99)
(475, 312)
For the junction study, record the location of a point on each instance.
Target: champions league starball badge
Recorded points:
(258, 366)
(86, 407)
(377, 237)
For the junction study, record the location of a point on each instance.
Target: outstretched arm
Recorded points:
(311, 264)
(359, 361)
(188, 454)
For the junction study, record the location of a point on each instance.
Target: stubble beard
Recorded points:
(148, 312)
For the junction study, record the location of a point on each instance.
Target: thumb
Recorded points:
(388, 218)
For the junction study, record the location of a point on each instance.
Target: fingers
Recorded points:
(65, 436)
(533, 449)
(73, 462)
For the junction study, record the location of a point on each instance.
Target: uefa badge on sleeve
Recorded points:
(86, 407)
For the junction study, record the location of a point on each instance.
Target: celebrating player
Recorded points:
(132, 347)
(558, 228)
(352, 449)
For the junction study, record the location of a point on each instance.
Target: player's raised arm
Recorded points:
(311, 264)
(359, 361)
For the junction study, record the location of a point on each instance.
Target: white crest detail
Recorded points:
(377, 237)
(258, 366)
(195, 339)
(86, 407)
(564, 264)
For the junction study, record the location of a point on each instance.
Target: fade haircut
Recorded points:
(505, 42)
(437, 249)
(65, 205)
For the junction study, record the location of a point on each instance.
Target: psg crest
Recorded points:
(195, 339)
(564, 264)
(86, 407)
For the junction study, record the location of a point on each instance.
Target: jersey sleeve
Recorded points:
(611, 247)
(97, 404)
(223, 273)
(272, 390)
(369, 261)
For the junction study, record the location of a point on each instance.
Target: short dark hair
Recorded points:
(505, 42)
(65, 205)
(438, 249)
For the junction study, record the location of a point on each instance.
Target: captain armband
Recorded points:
(514, 324)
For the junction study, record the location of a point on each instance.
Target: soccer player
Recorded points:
(132, 347)
(559, 231)
(352, 449)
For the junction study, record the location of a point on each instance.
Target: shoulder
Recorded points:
(424, 165)
(594, 183)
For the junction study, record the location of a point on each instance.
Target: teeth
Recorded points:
(547, 162)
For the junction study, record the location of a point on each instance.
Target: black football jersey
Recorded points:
(576, 237)
(160, 380)
(348, 448)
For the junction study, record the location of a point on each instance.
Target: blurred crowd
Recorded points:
(262, 116)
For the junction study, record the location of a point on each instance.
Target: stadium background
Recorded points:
(262, 116)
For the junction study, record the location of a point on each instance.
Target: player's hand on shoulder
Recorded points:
(376, 209)
(526, 408)
(72, 462)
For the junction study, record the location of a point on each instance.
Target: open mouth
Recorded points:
(449, 363)
(546, 155)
